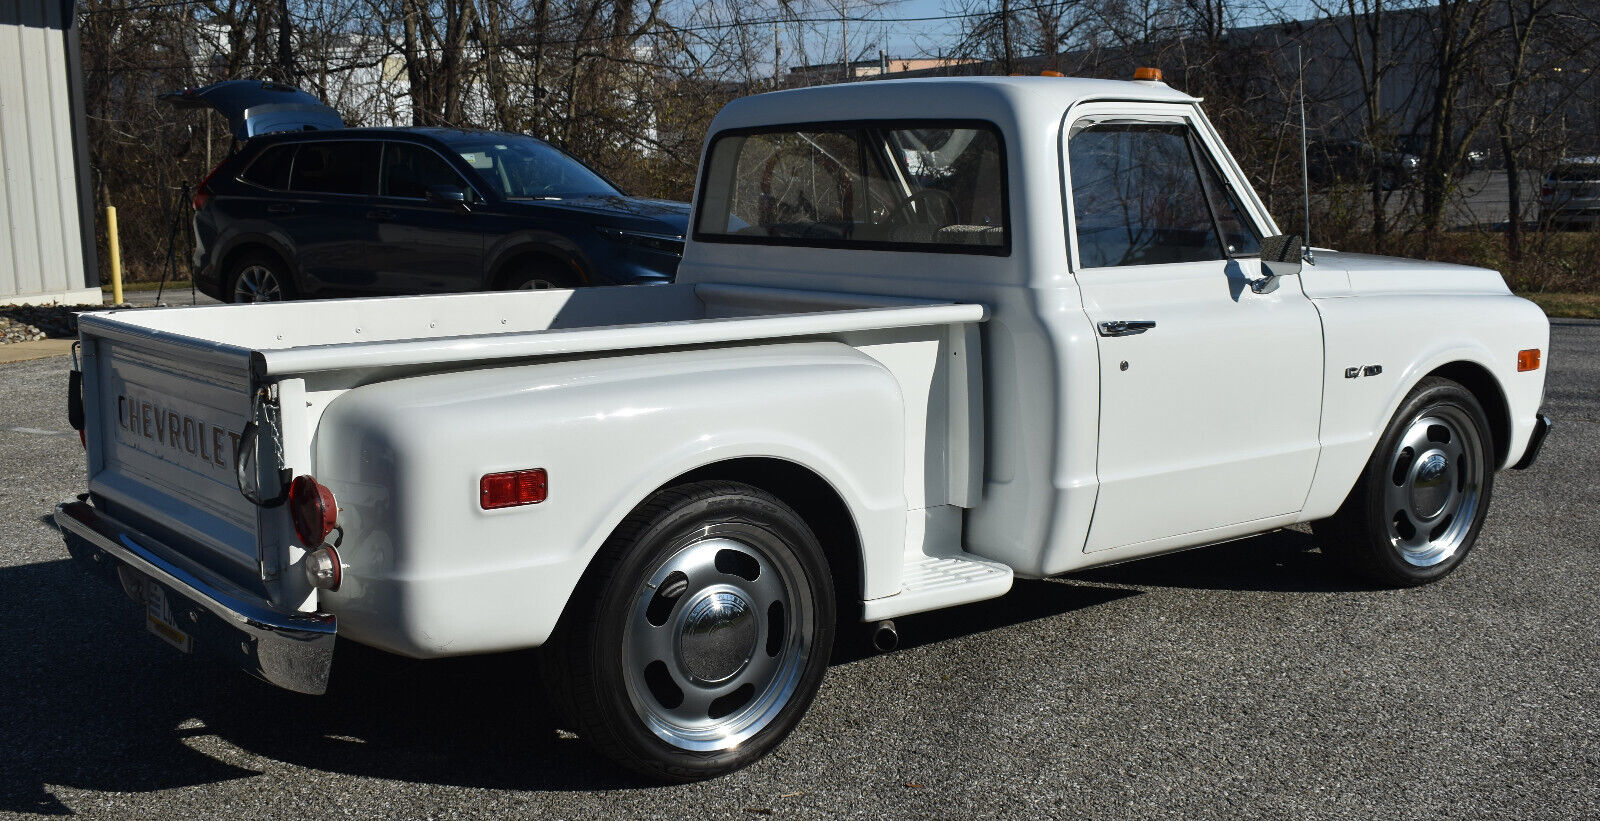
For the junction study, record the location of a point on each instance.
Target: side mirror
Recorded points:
(452, 195)
(1280, 257)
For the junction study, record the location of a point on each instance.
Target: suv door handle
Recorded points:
(280, 208)
(1126, 327)
(381, 214)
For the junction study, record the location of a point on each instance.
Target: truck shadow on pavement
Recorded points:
(93, 703)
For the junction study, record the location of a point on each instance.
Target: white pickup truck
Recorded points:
(927, 336)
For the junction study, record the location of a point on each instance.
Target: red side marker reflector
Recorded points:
(513, 488)
(1528, 360)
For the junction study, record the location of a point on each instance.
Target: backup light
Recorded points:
(323, 568)
(513, 488)
(313, 510)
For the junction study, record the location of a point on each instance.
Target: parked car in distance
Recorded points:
(1571, 193)
(309, 208)
(1352, 161)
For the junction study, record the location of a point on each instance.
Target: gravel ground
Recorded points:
(1241, 681)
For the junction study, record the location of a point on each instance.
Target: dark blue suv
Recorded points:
(309, 208)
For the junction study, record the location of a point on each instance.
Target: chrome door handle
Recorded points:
(1126, 327)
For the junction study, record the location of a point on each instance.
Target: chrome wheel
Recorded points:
(718, 637)
(257, 283)
(1434, 486)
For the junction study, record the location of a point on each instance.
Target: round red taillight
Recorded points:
(312, 509)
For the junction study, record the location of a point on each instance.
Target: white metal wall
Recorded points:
(41, 221)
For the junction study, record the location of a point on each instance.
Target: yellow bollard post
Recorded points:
(116, 255)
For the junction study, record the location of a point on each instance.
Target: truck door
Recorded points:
(1210, 394)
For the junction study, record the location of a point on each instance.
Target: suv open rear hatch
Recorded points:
(256, 107)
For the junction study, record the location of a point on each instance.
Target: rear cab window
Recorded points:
(879, 185)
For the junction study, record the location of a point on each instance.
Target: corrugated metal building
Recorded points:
(47, 249)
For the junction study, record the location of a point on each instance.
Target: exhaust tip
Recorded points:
(884, 636)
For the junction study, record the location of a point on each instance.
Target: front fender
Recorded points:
(429, 573)
(1410, 337)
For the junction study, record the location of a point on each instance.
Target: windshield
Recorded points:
(525, 168)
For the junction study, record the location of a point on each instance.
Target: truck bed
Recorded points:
(298, 338)
(172, 389)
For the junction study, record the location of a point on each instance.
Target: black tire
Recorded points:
(258, 277)
(543, 275)
(699, 635)
(1419, 504)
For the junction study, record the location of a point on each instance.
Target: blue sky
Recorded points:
(912, 39)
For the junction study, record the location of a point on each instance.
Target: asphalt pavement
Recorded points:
(1246, 680)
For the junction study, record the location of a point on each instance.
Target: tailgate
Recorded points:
(164, 415)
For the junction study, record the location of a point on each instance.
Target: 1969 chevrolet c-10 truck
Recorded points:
(927, 336)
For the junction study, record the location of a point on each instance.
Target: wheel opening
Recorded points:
(775, 629)
(666, 597)
(662, 688)
(1439, 434)
(724, 706)
(738, 563)
(1440, 529)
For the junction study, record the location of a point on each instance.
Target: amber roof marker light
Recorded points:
(1147, 74)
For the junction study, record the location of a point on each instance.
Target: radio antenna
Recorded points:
(1305, 170)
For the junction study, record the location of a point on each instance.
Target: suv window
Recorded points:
(410, 170)
(338, 167)
(271, 168)
(1138, 197)
(891, 186)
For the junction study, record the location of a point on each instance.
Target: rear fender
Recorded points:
(430, 573)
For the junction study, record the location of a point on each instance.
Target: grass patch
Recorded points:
(148, 286)
(1566, 306)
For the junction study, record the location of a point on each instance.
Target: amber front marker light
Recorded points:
(513, 488)
(1147, 73)
(1528, 360)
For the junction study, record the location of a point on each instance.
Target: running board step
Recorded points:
(934, 582)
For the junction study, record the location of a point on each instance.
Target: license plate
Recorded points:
(158, 618)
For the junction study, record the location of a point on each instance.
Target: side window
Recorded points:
(895, 186)
(1137, 197)
(341, 167)
(271, 168)
(410, 170)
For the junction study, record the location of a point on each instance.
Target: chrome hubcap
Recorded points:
(1434, 486)
(717, 638)
(257, 283)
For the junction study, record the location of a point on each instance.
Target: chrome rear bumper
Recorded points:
(291, 649)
